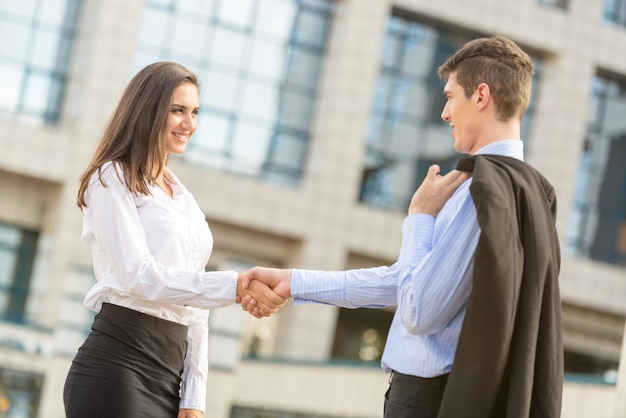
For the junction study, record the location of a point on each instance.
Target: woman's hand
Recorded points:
(190, 413)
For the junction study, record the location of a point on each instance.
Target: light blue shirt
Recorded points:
(431, 282)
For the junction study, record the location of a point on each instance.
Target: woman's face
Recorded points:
(181, 118)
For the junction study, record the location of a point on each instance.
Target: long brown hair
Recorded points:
(133, 136)
(500, 63)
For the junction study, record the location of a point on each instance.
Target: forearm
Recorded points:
(359, 288)
(432, 291)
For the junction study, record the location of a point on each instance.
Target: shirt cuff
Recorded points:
(417, 236)
(194, 395)
(219, 288)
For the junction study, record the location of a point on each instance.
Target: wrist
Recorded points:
(241, 291)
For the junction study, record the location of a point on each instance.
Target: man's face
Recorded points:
(462, 115)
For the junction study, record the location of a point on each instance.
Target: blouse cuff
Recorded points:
(219, 288)
(194, 395)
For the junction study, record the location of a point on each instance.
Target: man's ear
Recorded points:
(482, 95)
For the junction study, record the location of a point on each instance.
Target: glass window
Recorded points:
(250, 144)
(559, 4)
(220, 90)
(237, 13)
(260, 100)
(258, 62)
(246, 412)
(35, 39)
(615, 12)
(17, 255)
(74, 319)
(200, 8)
(213, 132)
(267, 59)
(275, 18)
(20, 393)
(228, 48)
(598, 219)
(361, 334)
(405, 132)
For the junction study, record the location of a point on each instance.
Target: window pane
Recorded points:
(290, 150)
(615, 12)
(189, 37)
(12, 78)
(410, 98)
(219, 91)
(311, 29)
(13, 41)
(18, 7)
(45, 50)
(561, 4)
(7, 267)
(144, 58)
(227, 48)
(267, 59)
(276, 17)
(260, 100)
(303, 68)
(200, 8)
(152, 27)
(296, 110)
(213, 132)
(250, 147)
(599, 206)
(17, 254)
(52, 12)
(418, 57)
(38, 89)
(21, 392)
(235, 12)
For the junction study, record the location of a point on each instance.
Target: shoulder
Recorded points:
(506, 177)
(109, 174)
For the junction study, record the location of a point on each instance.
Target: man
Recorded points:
(477, 330)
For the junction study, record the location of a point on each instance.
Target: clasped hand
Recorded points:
(262, 291)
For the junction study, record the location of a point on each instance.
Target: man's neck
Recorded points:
(497, 131)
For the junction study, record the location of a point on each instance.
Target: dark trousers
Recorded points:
(414, 397)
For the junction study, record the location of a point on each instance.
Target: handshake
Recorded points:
(262, 291)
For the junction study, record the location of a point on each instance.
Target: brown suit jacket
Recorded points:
(509, 360)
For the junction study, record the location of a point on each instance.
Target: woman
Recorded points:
(147, 353)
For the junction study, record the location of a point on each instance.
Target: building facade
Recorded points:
(319, 119)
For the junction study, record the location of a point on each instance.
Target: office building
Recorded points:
(319, 119)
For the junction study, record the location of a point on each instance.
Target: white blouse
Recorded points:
(149, 254)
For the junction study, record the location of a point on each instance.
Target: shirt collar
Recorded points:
(507, 147)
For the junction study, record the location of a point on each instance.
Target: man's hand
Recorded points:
(435, 191)
(279, 280)
(265, 300)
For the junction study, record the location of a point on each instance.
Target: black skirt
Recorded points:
(129, 366)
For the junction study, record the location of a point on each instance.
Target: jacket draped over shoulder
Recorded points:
(509, 360)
